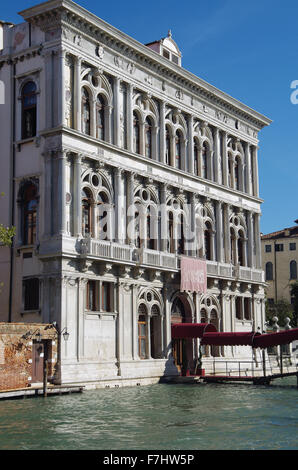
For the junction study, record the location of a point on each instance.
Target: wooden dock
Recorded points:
(31, 392)
(214, 378)
(256, 380)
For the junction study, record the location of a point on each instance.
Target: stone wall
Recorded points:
(16, 353)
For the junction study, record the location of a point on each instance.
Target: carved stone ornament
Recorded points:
(124, 65)
(99, 51)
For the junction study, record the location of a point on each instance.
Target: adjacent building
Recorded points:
(115, 163)
(280, 259)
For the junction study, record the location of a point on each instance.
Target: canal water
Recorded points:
(160, 417)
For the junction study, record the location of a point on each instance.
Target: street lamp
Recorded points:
(65, 335)
(36, 333)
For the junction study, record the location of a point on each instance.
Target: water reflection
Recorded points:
(155, 417)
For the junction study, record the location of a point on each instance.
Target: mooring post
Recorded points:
(264, 362)
(45, 378)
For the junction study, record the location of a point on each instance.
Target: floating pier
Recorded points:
(31, 392)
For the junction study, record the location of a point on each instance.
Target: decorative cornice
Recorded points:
(59, 13)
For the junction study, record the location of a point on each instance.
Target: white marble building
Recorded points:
(94, 122)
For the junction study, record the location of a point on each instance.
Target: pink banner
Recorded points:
(193, 275)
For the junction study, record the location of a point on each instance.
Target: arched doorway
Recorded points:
(182, 349)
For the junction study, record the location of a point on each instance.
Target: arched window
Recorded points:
(155, 332)
(196, 157)
(29, 214)
(230, 170)
(178, 149)
(136, 133)
(142, 331)
(180, 235)
(238, 304)
(100, 118)
(151, 240)
(207, 240)
(237, 174)
(233, 246)
(102, 204)
(204, 316)
(86, 127)
(171, 242)
(240, 242)
(204, 160)
(86, 212)
(293, 269)
(178, 314)
(168, 147)
(269, 271)
(29, 110)
(247, 314)
(148, 138)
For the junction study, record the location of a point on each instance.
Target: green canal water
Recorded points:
(160, 417)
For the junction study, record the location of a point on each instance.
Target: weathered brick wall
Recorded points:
(16, 353)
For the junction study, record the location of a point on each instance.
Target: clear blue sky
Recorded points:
(247, 49)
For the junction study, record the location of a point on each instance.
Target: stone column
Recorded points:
(216, 156)
(130, 208)
(192, 223)
(61, 192)
(227, 235)
(108, 124)
(94, 219)
(248, 169)
(135, 352)
(117, 124)
(219, 231)
(162, 134)
(250, 240)
(190, 167)
(258, 242)
(77, 196)
(93, 123)
(48, 227)
(255, 172)
(167, 325)
(129, 117)
(119, 336)
(48, 55)
(81, 299)
(225, 175)
(120, 216)
(61, 87)
(77, 93)
(163, 218)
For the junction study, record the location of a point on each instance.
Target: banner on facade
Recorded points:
(193, 275)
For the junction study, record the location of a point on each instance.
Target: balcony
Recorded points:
(107, 250)
(117, 252)
(242, 273)
(158, 259)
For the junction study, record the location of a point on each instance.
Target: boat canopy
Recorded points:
(191, 330)
(275, 339)
(229, 339)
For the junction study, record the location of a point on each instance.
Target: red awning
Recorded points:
(190, 330)
(275, 339)
(229, 339)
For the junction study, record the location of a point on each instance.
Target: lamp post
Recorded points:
(65, 334)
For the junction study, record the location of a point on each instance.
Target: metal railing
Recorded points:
(253, 368)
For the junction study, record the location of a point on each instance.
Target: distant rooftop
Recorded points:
(285, 233)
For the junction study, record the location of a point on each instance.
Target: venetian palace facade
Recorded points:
(112, 154)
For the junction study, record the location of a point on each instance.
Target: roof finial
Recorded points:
(169, 33)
